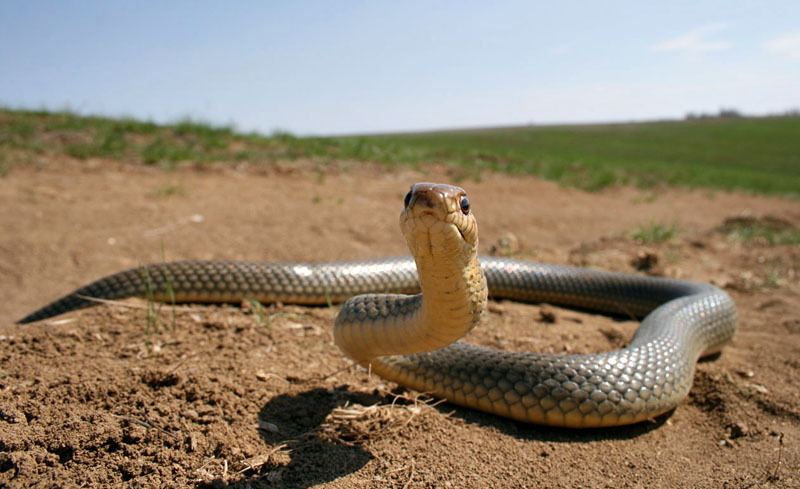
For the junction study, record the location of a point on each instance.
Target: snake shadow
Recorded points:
(295, 421)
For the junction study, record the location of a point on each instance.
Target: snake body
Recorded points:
(409, 338)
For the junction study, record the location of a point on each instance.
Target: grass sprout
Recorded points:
(169, 190)
(769, 230)
(155, 299)
(655, 233)
(152, 321)
(258, 312)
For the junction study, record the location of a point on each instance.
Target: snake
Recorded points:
(403, 317)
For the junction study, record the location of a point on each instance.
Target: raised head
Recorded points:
(438, 223)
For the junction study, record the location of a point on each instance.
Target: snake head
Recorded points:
(438, 224)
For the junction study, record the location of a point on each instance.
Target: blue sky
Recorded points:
(328, 67)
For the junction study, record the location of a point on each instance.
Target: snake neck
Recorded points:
(452, 302)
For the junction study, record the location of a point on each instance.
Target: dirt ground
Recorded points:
(224, 396)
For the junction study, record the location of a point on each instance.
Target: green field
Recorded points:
(759, 155)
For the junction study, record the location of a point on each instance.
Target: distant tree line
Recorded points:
(731, 113)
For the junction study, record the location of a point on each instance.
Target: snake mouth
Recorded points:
(463, 236)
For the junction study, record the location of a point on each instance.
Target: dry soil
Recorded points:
(225, 396)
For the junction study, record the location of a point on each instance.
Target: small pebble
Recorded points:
(547, 315)
(738, 430)
(267, 426)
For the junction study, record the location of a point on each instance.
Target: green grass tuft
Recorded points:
(108, 142)
(259, 313)
(155, 300)
(655, 233)
(169, 190)
(772, 231)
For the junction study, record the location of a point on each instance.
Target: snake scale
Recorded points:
(412, 339)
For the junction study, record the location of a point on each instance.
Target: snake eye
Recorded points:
(464, 204)
(407, 200)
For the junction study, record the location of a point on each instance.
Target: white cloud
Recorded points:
(788, 45)
(695, 41)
